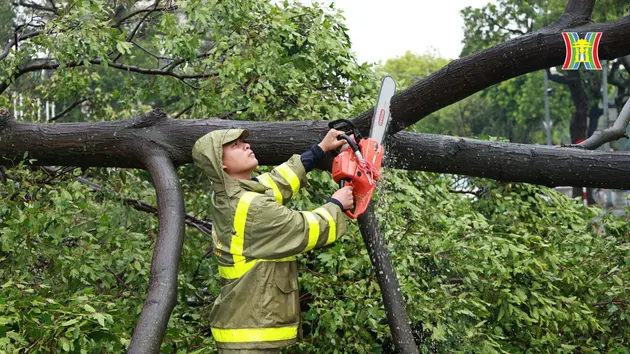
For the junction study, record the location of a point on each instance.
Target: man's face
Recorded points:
(238, 158)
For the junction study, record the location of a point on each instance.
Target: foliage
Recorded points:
(270, 61)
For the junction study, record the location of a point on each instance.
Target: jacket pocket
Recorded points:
(285, 284)
(286, 295)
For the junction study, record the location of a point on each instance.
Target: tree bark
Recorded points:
(393, 300)
(162, 294)
(121, 144)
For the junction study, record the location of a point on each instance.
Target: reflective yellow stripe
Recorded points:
(254, 334)
(290, 176)
(238, 270)
(240, 217)
(313, 230)
(266, 180)
(332, 227)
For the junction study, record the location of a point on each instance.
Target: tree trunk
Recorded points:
(121, 144)
(393, 300)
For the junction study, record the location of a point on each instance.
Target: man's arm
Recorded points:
(276, 231)
(286, 180)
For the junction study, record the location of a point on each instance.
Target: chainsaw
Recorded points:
(359, 162)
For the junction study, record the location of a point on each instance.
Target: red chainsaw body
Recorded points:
(362, 176)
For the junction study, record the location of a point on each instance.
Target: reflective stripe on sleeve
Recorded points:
(332, 227)
(254, 334)
(267, 181)
(290, 176)
(313, 230)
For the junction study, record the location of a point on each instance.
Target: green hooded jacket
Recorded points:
(255, 239)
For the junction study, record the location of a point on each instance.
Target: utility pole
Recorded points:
(547, 123)
(605, 122)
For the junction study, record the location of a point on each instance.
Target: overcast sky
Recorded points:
(384, 29)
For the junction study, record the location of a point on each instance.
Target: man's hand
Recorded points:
(330, 141)
(345, 197)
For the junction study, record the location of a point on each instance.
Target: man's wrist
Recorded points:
(336, 202)
(322, 147)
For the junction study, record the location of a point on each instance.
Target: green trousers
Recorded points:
(249, 351)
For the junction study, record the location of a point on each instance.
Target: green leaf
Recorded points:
(70, 322)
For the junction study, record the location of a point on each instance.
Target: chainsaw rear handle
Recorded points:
(351, 142)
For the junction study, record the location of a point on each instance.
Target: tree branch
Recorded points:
(48, 64)
(492, 21)
(561, 79)
(393, 301)
(617, 131)
(65, 111)
(120, 144)
(35, 6)
(148, 9)
(13, 42)
(158, 57)
(162, 295)
(133, 32)
(465, 76)
(204, 226)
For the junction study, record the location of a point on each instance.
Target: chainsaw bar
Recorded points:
(380, 119)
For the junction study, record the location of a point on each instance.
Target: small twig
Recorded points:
(166, 8)
(158, 57)
(133, 33)
(118, 279)
(65, 111)
(184, 111)
(614, 302)
(230, 114)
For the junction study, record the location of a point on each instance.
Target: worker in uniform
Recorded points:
(256, 238)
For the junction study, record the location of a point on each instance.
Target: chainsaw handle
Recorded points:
(351, 142)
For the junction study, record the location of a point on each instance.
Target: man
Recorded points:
(256, 238)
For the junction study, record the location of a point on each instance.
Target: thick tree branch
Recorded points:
(465, 76)
(120, 144)
(617, 131)
(580, 8)
(162, 295)
(394, 303)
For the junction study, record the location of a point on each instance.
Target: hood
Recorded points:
(207, 154)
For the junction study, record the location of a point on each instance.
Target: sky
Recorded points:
(381, 30)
